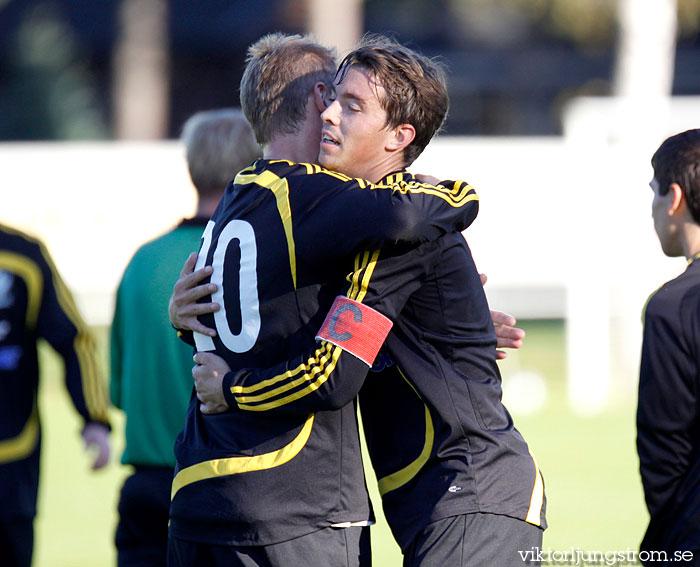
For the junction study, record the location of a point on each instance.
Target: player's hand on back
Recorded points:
(208, 377)
(183, 307)
(507, 334)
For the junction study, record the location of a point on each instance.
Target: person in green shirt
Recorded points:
(147, 360)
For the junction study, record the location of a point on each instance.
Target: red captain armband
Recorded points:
(356, 328)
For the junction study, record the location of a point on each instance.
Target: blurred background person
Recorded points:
(35, 304)
(148, 362)
(667, 436)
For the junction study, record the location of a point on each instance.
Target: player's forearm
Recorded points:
(434, 211)
(327, 378)
(84, 380)
(328, 381)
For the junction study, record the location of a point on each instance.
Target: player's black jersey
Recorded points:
(440, 440)
(450, 446)
(34, 304)
(668, 438)
(281, 242)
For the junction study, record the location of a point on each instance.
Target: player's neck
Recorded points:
(291, 148)
(390, 163)
(691, 240)
(301, 146)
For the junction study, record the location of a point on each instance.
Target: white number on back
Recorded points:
(242, 232)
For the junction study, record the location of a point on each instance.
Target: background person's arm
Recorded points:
(64, 329)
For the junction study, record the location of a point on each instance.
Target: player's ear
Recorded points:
(402, 136)
(322, 96)
(677, 204)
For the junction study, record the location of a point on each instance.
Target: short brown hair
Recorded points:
(280, 74)
(415, 85)
(678, 161)
(218, 144)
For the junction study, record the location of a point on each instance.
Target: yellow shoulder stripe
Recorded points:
(280, 189)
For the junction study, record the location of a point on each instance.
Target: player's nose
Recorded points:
(330, 115)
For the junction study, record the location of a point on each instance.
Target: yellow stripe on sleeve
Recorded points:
(312, 368)
(318, 355)
(313, 386)
(94, 389)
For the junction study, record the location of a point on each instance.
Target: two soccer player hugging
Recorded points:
(269, 468)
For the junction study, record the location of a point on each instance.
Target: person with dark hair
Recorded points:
(36, 304)
(255, 489)
(146, 357)
(411, 90)
(668, 442)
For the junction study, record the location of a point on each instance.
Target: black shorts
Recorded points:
(474, 540)
(142, 532)
(16, 541)
(329, 547)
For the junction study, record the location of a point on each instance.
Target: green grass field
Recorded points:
(595, 500)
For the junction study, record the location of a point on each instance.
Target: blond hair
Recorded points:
(281, 72)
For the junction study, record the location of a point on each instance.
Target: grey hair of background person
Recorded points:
(218, 144)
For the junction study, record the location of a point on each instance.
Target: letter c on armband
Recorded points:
(342, 308)
(361, 332)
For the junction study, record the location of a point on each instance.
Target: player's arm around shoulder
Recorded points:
(327, 377)
(454, 203)
(427, 210)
